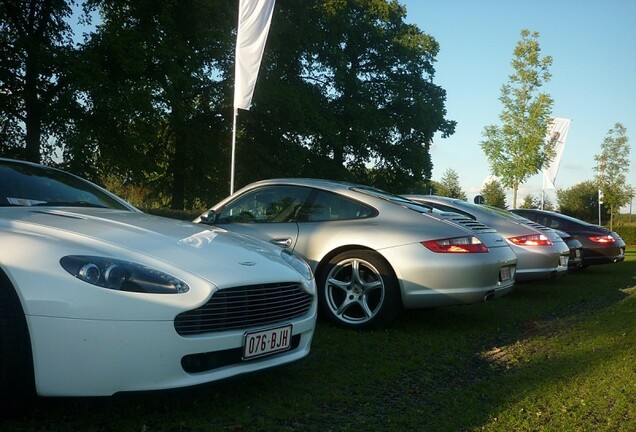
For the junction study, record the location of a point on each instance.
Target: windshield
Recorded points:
(26, 185)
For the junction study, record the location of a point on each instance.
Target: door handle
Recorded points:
(284, 242)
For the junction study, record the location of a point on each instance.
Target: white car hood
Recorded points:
(211, 253)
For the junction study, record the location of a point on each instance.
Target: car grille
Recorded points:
(245, 307)
(471, 224)
(538, 226)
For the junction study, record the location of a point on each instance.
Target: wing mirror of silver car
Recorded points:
(208, 217)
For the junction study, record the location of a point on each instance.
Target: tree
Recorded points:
(612, 164)
(581, 201)
(547, 203)
(449, 185)
(518, 148)
(152, 78)
(35, 40)
(494, 194)
(379, 106)
(530, 202)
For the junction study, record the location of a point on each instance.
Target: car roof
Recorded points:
(302, 181)
(557, 215)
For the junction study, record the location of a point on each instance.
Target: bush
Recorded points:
(627, 233)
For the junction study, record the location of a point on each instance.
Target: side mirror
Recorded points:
(208, 217)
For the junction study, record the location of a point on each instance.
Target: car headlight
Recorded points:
(122, 275)
(298, 264)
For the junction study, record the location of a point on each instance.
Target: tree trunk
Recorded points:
(178, 162)
(32, 108)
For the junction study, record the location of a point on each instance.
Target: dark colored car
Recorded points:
(600, 245)
(576, 250)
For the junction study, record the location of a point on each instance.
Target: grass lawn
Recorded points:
(550, 356)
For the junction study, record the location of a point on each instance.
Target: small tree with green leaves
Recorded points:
(518, 148)
(547, 204)
(449, 185)
(611, 165)
(494, 194)
(530, 202)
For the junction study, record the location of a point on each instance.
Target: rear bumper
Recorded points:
(430, 279)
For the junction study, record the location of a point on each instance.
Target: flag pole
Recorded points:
(233, 151)
(254, 19)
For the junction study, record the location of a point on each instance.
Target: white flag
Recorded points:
(254, 19)
(559, 129)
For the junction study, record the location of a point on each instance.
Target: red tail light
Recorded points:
(602, 239)
(468, 244)
(531, 240)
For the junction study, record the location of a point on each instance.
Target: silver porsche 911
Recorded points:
(372, 252)
(541, 251)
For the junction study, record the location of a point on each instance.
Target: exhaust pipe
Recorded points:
(489, 297)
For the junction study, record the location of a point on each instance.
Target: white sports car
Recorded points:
(97, 297)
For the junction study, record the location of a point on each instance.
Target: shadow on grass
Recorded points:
(454, 368)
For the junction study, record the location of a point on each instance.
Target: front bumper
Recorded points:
(100, 357)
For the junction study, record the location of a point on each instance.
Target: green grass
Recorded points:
(550, 356)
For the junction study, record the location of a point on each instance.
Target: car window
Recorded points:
(328, 206)
(529, 215)
(555, 223)
(270, 204)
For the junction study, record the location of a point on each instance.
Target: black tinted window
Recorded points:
(270, 204)
(329, 206)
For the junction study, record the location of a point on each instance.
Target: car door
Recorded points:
(268, 212)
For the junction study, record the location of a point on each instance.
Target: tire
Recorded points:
(16, 362)
(358, 289)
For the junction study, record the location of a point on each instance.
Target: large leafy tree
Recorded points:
(449, 185)
(380, 105)
(154, 91)
(147, 97)
(518, 149)
(612, 165)
(35, 43)
(581, 201)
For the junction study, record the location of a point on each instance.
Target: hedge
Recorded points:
(627, 233)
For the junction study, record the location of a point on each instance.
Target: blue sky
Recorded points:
(593, 45)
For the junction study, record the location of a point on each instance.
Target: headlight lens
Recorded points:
(122, 275)
(298, 264)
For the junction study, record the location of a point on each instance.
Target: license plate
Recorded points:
(563, 260)
(577, 253)
(266, 342)
(504, 274)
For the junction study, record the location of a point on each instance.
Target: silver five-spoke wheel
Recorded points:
(358, 289)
